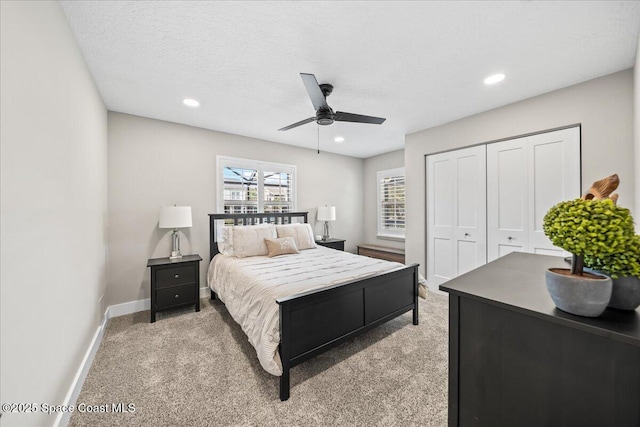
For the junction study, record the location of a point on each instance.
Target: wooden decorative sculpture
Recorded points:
(603, 188)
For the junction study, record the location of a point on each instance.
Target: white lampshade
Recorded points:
(327, 213)
(175, 217)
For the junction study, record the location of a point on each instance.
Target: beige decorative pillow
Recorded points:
(302, 234)
(249, 240)
(282, 246)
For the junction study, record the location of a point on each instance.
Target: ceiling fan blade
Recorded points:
(340, 116)
(300, 123)
(315, 93)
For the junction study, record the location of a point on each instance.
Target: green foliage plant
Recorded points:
(624, 264)
(591, 229)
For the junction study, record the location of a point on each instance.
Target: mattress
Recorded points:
(250, 286)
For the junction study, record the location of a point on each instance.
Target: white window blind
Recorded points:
(251, 186)
(391, 203)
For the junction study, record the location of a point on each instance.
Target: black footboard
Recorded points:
(316, 321)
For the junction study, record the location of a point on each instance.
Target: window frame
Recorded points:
(383, 233)
(261, 167)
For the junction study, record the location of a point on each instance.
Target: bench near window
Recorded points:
(382, 252)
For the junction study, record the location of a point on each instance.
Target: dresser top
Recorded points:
(517, 282)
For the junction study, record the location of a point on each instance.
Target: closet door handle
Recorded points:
(509, 238)
(466, 234)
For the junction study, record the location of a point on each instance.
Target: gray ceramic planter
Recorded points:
(577, 295)
(626, 293)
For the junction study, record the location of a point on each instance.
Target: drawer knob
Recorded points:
(176, 295)
(176, 276)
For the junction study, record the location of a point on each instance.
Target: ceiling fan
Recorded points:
(324, 114)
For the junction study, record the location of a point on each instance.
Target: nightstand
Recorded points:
(337, 244)
(174, 283)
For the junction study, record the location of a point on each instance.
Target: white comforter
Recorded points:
(250, 286)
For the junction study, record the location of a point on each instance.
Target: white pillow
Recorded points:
(249, 240)
(225, 241)
(302, 234)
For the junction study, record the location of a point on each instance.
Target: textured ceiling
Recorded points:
(419, 64)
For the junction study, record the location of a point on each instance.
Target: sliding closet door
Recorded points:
(554, 176)
(470, 232)
(525, 177)
(440, 216)
(507, 198)
(456, 213)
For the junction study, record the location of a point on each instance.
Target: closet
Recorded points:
(489, 200)
(456, 212)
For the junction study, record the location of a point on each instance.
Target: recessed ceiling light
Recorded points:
(493, 79)
(339, 139)
(190, 102)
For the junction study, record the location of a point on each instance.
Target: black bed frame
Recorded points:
(315, 321)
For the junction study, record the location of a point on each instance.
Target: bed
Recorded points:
(308, 322)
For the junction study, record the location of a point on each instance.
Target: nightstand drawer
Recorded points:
(174, 282)
(176, 295)
(175, 276)
(337, 244)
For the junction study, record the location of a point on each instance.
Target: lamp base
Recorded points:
(175, 245)
(326, 236)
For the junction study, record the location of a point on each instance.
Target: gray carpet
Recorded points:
(198, 369)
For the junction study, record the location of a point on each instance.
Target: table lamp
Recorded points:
(175, 217)
(326, 214)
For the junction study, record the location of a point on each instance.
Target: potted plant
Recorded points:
(624, 270)
(592, 229)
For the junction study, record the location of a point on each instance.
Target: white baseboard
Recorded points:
(205, 292)
(112, 311)
(72, 395)
(128, 307)
(140, 305)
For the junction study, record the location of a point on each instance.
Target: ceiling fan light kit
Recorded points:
(325, 114)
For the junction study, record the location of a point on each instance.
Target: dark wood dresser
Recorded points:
(516, 360)
(174, 283)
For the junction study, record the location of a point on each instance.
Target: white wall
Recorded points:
(154, 163)
(53, 135)
(636, 115)
(372, 165)
(603, 106)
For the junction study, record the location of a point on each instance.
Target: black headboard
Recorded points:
(249, 219)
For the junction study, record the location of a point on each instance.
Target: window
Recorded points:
(391, 208)
(250, 186)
